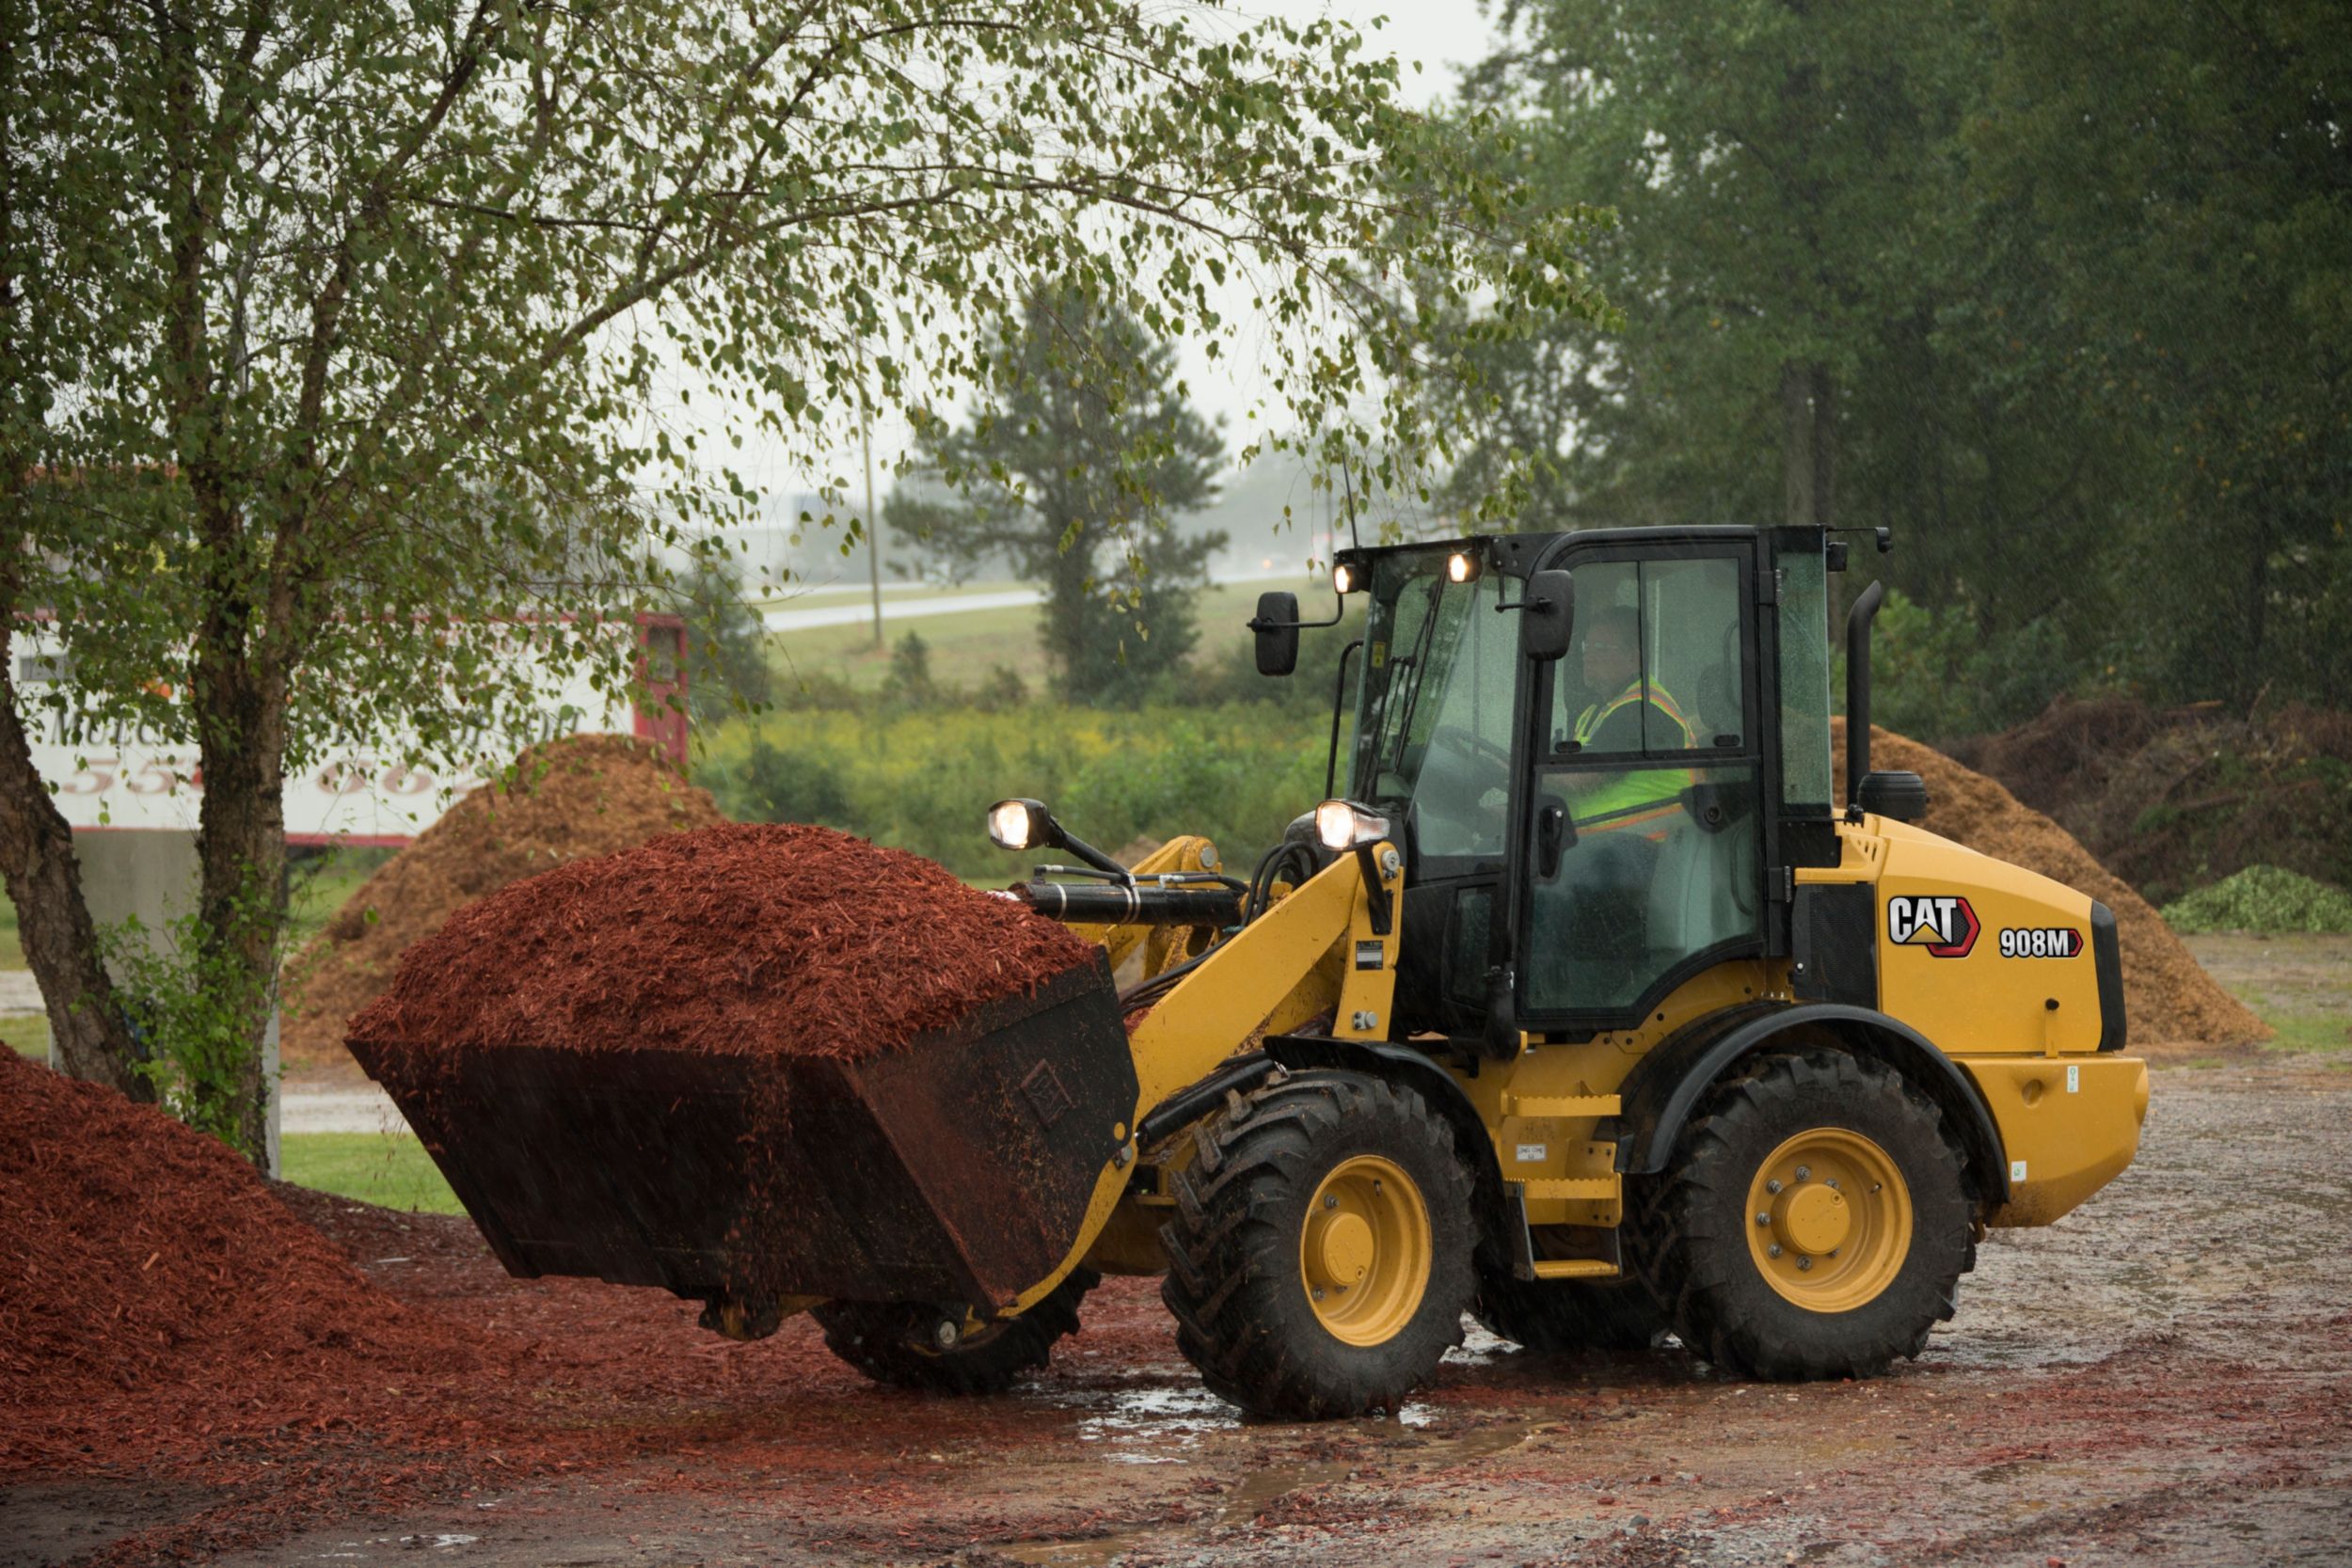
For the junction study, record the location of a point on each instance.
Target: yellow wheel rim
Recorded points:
(1363, 1251)
(1829, 1220)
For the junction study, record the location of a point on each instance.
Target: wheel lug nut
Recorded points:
(1804, 1263)
(1832, 1184)
(1318, 1293)
(1805, 1173)
(1773, 1251)
(1774, 1186)
(1763, 1219)
(1330, 1200)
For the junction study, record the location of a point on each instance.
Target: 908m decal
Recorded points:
(1944, 924)
(2041, 941)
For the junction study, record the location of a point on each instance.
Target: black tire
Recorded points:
(892, 1342)
(1716, 1294)
(1236, 1282)
(1552, 1316)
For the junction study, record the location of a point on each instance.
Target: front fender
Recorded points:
(1660, 1094)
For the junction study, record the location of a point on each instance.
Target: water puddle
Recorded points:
(1154, 1426)
(1157, 1426)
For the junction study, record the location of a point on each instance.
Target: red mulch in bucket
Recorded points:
(789, 940)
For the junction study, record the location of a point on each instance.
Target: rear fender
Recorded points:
(1664, 1089)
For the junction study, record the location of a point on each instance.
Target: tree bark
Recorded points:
(240, 709)
(1808, 442)
(45, 881)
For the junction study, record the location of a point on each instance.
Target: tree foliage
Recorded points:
(1074, 465)
(349, 350)
(2069, 284)
(727, 670)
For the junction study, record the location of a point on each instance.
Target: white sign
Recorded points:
(124, 776)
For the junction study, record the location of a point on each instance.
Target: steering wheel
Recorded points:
(1465, 743)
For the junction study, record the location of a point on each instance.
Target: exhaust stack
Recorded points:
(1859, 619)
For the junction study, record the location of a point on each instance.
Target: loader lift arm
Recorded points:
(1314, 952)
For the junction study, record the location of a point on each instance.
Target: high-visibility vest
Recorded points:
(1637, 799)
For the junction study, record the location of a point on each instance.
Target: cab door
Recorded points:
(1640, 843)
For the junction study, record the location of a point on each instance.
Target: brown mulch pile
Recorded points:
(587, 795)
(2168, 998)
(2175, 799)
(744, 937)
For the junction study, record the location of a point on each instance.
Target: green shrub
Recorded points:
(1937, 675)
(2263, 898)
(920, 779)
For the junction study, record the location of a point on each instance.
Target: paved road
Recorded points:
(18, 992)
(786, 618)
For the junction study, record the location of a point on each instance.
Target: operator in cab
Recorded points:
(1626, 714)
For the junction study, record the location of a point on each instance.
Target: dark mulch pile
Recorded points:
(789, 940)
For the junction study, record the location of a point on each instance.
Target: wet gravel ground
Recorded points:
(2165, 1376)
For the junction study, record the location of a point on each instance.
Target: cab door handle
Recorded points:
(1554, 833)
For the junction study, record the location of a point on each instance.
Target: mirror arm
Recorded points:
(1339, 613)
(1339, 690)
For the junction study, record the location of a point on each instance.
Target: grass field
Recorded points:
(319, 887)
(967, 644)
(26, 1033)
(392, 1170)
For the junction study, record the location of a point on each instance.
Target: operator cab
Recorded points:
(1597, 798)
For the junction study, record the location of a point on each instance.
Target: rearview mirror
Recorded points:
(1547, 615)
(1276, 627)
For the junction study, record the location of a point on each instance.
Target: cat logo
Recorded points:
(1945, 925)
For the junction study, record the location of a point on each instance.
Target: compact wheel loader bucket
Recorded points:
(954, 1169)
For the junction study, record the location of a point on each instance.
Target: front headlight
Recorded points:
(1346, 825)
(1019, 824)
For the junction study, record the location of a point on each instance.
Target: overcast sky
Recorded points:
(1443, 37)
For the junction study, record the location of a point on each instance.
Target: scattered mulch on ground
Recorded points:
(2169, 999)
(748, 938)
(571, 799)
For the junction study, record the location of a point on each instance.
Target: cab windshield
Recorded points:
(1433, 706)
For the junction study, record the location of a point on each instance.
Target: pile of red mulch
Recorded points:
(747, 938)
(566, 800)
(152, 1289)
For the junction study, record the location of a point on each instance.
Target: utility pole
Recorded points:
(873, 524)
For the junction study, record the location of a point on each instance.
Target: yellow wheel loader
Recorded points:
(1580, 1009)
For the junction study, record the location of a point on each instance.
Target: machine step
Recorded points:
(1561, 1106)
(1574, 1268)
(1589, 1189)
